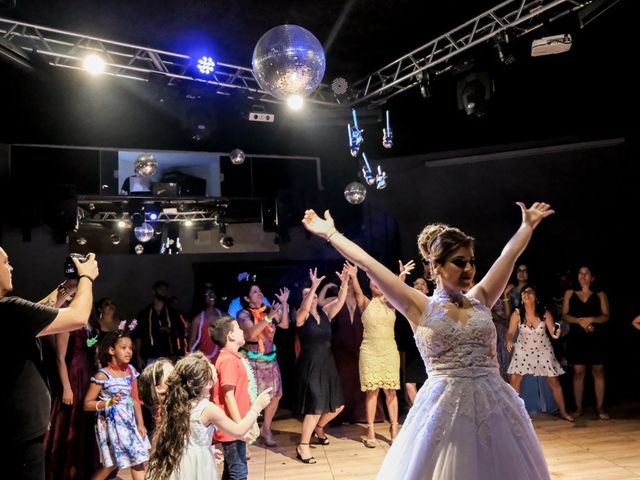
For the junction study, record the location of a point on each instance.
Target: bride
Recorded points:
(466, 423)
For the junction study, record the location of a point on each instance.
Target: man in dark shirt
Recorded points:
(160, 331)
(25, 402)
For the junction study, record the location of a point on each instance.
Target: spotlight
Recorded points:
(94, 64)
(206, 65)
(381, 178)
(122, 224)
(139, 249)
(188, 223)
(226, 241)
(424, 83)
(473, 93)
(81, 241)
(295, 102)
(115, 239)
(501, 43)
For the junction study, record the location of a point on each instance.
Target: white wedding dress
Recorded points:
(467, 423)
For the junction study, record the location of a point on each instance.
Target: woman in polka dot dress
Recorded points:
(532, 351)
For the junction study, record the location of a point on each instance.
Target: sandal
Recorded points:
(393, 430)
(321, 440)
(308, 460)
(370, 442)
(567, 417)
(602, 415)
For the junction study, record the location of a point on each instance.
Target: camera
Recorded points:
(70, 270)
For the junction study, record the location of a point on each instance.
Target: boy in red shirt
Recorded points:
(231, 393)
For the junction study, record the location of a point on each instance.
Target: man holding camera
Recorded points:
(26, 401)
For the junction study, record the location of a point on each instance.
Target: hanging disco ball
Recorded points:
(237, 156)
(144, 232)
(115, 239)
(146, 165)
(288, 60)
(355, 193)
(138, 249)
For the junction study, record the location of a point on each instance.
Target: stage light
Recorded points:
(122, 224)
(188, 223)
(226, 241)
(295, 102)
(115, 239)
(206, 65)
(474, 92)
(94, 64)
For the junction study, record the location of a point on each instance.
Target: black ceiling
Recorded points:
(583, 91)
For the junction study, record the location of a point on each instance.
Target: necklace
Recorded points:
(441, 295)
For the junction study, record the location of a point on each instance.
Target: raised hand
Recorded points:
(344, 274)
(406, 269)
(283, 296)
(317, 225)
(533, 215)
(353, 270)
(315, 281)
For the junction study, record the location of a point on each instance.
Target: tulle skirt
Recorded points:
(467, 424)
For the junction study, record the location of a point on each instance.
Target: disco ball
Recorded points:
(81, 241)
(144, 232)
(237, 156)
(138, 249)
(288, 60)
(115, 239)
(146, 165)
(355, 193)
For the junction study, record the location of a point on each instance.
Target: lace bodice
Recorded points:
(451, 347)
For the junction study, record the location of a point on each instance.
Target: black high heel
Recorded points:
(321, 440)
(308, 460)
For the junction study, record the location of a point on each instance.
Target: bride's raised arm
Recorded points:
(489, 289)
(410, 302)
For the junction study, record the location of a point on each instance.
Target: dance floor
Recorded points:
(590, 449)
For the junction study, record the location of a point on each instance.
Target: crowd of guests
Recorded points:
(214, 374)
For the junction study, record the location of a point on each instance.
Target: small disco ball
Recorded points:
(115, 239)
(138, 249)
(81, 241)
(237, 156)
(146, 165)
(355, 193)
(288, 60)
(144, 232)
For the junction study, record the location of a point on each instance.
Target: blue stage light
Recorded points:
(206, 65)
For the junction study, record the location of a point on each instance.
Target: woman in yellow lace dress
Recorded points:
(379, 364)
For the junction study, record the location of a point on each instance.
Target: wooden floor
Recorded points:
(590, 449)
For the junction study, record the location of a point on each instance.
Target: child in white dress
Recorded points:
(182, 448)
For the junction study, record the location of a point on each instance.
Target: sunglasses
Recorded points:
(462, 263)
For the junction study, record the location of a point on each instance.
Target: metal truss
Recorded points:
(403, 73)
(163, 217)
(68, 50)
(107, 209)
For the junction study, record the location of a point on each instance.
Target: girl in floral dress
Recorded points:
(113, 395)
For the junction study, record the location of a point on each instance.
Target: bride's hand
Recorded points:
(533, 215)
(323, 227)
